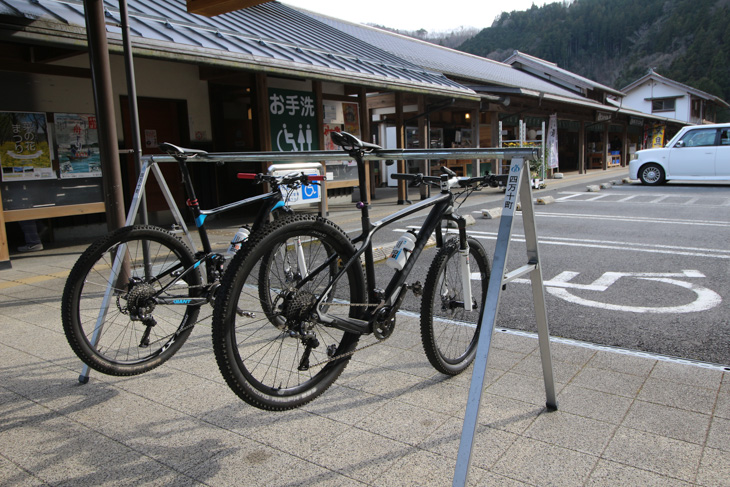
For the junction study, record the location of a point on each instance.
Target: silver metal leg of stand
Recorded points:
(131, 217)
(518, 182)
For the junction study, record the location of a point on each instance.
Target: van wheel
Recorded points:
(651, 174)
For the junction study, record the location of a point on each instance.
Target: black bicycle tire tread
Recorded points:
(79, 271)
(221, 310)
(429, 346)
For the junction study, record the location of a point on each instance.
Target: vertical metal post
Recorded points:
(517, 182)
(132, 99)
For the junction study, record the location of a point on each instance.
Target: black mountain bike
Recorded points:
(294, 301)
(133, 297)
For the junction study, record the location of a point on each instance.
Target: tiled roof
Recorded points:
(269, 36)
(456, 64)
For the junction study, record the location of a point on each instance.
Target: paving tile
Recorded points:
(514, 343)
(361, 455)
(521, 387)
(489, 443)
(563, 352)
(678, 395)
(620, 362)
(668, 421)
(300, 433)
(11, 474)
(506, 413)
(531, 366)
(538, 463)
(437, 395)
(719, 437)
(610, 474)
(609, 381)
(418, 468)
(714, 469)
(687, 374)
(402, 422)
(345, 405)
(503, 360)
(665, 456)
(593, 404)
(384, 382)
(722, 406)
(570, 431)
(257, 464)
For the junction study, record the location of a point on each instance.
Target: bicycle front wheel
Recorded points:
(449, 332)
(111, 309)
(270, 347)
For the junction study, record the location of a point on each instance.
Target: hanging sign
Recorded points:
(552, 141)
(293, 120)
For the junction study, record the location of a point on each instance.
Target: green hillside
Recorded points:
(615, 42)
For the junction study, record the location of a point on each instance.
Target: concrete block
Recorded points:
(558, 175)
(492, 213)
(593, 188)
(606, 185)
(626, 180)
(545, 200)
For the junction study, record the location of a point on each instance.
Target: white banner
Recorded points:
(552, 141)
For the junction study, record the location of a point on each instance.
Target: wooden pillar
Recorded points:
(423, 143)
(400, 138)
(582, 148)
(625, 146)
(262, 113)
(319, 114)
(4, 251)
(494, 125)
(474, 117)
(605, 146)
(366, 136)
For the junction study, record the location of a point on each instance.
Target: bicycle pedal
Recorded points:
(417, 288)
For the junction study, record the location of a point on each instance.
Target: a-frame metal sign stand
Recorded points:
(518, 182)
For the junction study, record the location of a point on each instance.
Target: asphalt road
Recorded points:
(636, 267)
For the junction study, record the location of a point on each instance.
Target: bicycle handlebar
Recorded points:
(287, 179)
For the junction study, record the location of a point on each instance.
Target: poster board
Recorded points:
(50, 165)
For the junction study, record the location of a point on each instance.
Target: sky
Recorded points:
(416, 14)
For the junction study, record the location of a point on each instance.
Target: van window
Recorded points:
(699, 138)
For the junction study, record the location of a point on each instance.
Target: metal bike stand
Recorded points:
(517, 182)
(147, 166)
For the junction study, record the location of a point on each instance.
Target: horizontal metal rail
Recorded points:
(387, 154)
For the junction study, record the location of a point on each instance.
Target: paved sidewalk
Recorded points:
(390, 420)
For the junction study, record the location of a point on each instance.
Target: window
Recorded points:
(663, 105)
(725, 137)
(699, 138)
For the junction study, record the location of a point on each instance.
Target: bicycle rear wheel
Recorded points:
(110, 313)
(448, 331)
(270, 349)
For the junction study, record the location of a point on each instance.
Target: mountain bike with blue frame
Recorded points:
(133, 297)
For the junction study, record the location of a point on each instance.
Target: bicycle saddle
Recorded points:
(351, 143)
(174, 150)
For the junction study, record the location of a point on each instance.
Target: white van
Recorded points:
(696, 153)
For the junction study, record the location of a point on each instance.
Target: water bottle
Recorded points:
(238, 238)
(401, 251)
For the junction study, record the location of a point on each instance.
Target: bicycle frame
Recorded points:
(394, 293)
